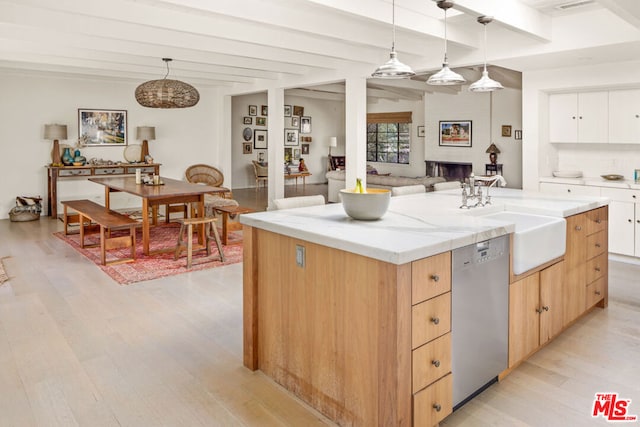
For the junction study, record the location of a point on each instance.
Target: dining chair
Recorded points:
(261, 172)
(209, 175)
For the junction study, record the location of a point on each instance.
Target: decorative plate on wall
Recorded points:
(132, 153)
(247, 133)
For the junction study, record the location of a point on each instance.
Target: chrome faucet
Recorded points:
(474, 192)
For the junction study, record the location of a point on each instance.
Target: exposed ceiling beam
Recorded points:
(629, 10)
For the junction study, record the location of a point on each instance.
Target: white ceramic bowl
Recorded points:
(366, 206)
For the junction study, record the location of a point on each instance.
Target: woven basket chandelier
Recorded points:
(167, 93)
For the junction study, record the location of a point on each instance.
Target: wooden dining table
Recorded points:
(170, 191)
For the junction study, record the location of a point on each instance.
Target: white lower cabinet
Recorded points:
(624, 221)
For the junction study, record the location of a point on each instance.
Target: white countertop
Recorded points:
(593, 182)
(415, 226)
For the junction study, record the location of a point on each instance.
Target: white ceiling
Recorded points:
(248, 44)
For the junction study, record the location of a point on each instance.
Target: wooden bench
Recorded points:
(227, 225)
(107, 220)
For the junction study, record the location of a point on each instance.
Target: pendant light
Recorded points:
(485, 84)
(393, 69)
(445, 77)
(167, 93)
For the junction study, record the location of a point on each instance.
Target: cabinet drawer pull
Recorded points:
(545, 308)
(437, 407)
(634, 196)
(435, 277)
(435, 320)
(597, 269)
(568, 190)
(630, 220)
(597, 245)
(436, 363)
(539, 310)
(578, 228)
(597, 292)
(598, 221)
(638, 221)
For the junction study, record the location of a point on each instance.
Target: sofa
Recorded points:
(336, 180)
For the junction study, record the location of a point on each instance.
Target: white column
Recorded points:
(224, 143)
(355, 130)
(275, 141)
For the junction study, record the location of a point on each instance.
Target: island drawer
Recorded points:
(434, 403)
(596, 244)
(596, 220)
(74, 172)
(595, 291)
(430, 319)
(596, 267)
(430, 277)
(431, 362)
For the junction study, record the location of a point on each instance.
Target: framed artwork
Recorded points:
(260, 139)
(247, 120)
(298, 110)
(290, 137)
(287, 110)
(517, 134)
(305, 124)
(247, 134)
(295, 122)
(264, 110)
(506, 130)
(261, 156)
(288, 156)
(296, 154)
(102, 127)
(261, 121)
(246, 148)
(253, 110)
(421, 131)
(305, 148)
(455, 133)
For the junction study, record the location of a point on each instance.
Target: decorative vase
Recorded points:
(67, 159)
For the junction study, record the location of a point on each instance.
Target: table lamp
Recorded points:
(493, 153)
(55, 132)
(145, 133)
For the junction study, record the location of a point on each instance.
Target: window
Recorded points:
(388, 137)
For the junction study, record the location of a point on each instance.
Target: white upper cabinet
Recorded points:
(578, 117)
(624, 116)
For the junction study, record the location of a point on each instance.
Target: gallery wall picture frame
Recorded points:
(298, 110)
(305, 124)
(305, 148)
(247, 133)
(517, 134)
(260, 141)
(102, 127)
(291, 137)
(455, 133)
(253, 110)
(247, 120)
(295, 122)
(261, 121)
(287, 110)
(420, 131)
(264, 110)
(246, 148)
(296, 154)
(506, 130)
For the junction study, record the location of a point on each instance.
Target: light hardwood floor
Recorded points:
(78, 349)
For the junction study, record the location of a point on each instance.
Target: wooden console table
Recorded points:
(88, 171)
(302, 175)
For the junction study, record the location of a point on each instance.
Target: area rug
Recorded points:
(148, 267)
(3, 273)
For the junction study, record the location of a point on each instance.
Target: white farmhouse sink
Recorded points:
(536, 240)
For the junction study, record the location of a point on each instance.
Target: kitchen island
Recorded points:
(354, 317)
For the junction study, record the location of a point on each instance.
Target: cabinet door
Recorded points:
(593, 119)
(624, 116)
(637, 230)
(563, 117)
(574, 290)
(551, 317)
(622, 227)
(524, 320)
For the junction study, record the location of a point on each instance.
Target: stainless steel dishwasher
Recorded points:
(479, 316)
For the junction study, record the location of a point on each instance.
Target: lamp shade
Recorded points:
(492, 149)
(333, 141)
(147, 133)
(54, 132)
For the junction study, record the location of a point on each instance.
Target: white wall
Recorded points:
(507, 110)
(541, 156)
(28, 102)
(327, 119)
